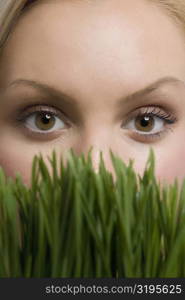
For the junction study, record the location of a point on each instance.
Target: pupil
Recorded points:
(144, 121)
(46, 119)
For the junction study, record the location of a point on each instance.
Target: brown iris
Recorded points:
(144, 123)
(45, 121)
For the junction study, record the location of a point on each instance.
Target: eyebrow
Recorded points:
(48, 90)
(150, 89)
(70, 101)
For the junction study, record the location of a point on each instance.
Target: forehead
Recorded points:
(94, 40)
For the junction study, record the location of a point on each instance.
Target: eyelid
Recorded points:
(150, 138)
(30, 109)
(155, 111)
(151, 109)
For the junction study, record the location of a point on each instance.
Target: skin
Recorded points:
(96, 53)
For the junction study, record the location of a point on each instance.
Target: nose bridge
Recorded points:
(97, 142)
(96, 157)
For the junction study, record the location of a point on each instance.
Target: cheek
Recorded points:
(170, 165)
(169, 161)
(13, 162)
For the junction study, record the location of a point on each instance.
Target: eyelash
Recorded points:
(39, 108)
(153, 112)
(143, 111)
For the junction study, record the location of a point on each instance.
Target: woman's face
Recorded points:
(108, 74)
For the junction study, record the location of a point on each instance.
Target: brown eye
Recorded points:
(144, 123)
(149, 123)
(45, 121)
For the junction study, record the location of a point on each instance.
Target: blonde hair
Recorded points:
(11, 9)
